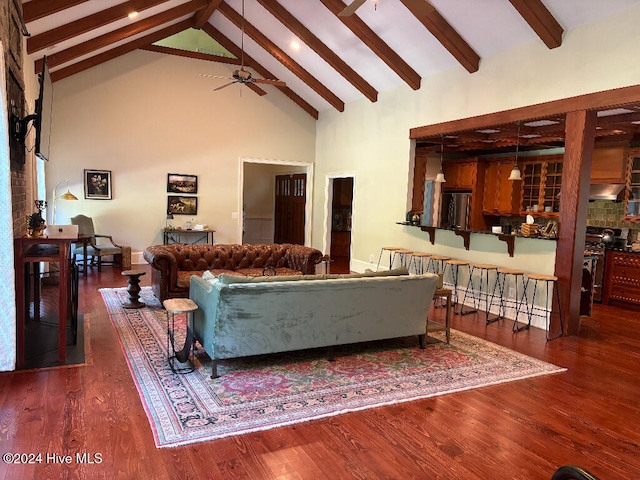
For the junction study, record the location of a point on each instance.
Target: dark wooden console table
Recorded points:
(29, 252)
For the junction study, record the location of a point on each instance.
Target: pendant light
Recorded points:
(440, 176)
(515, 172)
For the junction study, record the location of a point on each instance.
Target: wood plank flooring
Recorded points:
(588, 416)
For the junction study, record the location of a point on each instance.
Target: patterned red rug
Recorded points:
(258, 393)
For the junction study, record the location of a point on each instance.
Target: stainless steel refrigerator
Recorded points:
(455, 210)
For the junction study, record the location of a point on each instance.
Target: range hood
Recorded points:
(606, 191)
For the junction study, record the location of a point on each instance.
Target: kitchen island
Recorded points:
(622, 278)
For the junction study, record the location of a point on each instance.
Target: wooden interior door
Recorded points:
(289, 218)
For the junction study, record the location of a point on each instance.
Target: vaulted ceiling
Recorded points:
(384, 45)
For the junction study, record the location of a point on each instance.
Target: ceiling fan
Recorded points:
(353, 6)
(242, 75)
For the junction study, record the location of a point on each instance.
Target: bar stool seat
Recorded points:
(392, 255)
(536, 278)
(417, 260)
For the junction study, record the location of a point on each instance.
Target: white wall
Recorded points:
(145, 115)
(372, 139)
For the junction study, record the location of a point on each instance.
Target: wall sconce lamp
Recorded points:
(440, 176)
(65, 196)
(515, 172)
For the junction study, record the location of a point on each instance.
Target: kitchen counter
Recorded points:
(508, 238)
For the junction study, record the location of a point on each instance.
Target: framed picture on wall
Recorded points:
(179, 205)
(97, 184)
(177, 183)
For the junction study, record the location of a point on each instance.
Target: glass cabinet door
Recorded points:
(531, 186)
(633, 201)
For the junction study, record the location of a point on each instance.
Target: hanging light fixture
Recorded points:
(440, 176)
(515, 172)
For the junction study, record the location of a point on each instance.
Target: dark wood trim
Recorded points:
(540, 20)
(444, 33)
(86, 24)
(120, 50)
(36, 9)
(280, 55)
(64, 56)
(313, 42)
(201, 17)
(576, 174)
(219, 37)
(376, 44)
(591, 101)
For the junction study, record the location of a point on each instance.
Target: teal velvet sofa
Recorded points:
(243, 316)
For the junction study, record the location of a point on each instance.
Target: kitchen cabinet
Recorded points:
(622, 279)
(609, 165)
(633, 189)
(459, 175)
(541, 187)
(500, 196)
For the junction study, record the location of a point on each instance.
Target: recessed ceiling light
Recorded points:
(614, 111)
(133, 15)
(295, 45)
(541, 123)
(488, 130)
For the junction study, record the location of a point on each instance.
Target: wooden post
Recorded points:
(580, 130)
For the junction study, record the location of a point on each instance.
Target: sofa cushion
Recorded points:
(386, 273)
(259, 272)
(231, 279)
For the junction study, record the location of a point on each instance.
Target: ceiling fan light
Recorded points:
(515, 173)
(440, 178)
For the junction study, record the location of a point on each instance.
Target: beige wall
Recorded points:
(145, 115)
(372, 139)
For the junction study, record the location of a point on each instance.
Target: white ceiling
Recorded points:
(488, 26)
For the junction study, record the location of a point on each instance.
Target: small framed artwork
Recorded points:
(177, 183)
(179, 205)
(97, 184)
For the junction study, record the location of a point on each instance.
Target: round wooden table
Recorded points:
(133, 288)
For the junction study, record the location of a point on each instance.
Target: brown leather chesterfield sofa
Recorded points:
(173, 265)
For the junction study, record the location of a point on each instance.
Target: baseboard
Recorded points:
(137, 258)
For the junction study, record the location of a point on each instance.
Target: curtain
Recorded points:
(7, 291)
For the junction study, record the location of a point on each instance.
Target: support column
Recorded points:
(580, 130)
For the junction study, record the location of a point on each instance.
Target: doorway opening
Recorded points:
(340, 215)
(257, 199)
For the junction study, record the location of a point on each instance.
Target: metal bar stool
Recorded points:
(437, 264)
(417, 260)
(392, 255)
(404, 256)
(501, 281)
(481, 291)
(531, 306)
(455, 273)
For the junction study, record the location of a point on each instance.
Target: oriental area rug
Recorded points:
(268, 391)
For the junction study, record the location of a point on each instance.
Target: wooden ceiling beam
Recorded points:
(36, 9)
(304, 34)
(376, 44)
(282, 57)
(219, 37)
(444, 33)
(120, 50)
(202, 16)
(86, 24)
(540, 20)
(130, 30)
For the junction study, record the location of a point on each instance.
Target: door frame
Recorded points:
(328, 208)
(308, 199)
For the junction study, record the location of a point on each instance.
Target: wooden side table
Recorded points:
(437, 327)
(133, 288)
(173, 306)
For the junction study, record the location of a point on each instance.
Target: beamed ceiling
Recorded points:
(386, 44)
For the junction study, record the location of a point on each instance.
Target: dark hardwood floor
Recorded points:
(520, 430)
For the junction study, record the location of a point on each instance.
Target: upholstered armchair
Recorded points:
(97, 246)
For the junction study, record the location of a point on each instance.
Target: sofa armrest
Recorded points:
(303, 258)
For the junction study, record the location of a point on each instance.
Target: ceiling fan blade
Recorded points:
(270, 81)
(215, 76)
(351, 8)
(225, 85)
